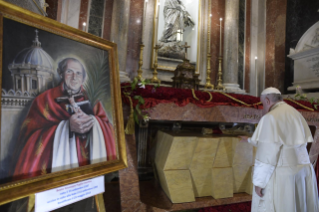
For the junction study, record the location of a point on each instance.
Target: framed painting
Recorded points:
(175, 24)
(61, 112)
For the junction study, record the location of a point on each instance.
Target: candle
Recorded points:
(144, 19)
(157, 19)
(84, 26)
(220, 44)
(178, 35)
(209, 28)
(256, 75)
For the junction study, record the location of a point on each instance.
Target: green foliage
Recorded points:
(97, 85)
(138, 113)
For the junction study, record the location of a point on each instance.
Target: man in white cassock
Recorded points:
(283, 177)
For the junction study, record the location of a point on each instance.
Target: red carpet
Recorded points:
(239, 207)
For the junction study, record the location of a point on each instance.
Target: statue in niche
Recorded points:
(176, 20)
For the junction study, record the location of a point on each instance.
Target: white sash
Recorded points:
(64, 148)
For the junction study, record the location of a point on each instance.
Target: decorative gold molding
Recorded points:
(140, 64)
(154, 78)
(18, 189)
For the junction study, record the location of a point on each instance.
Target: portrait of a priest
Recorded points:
(63, 129)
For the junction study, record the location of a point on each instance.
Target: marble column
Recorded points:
(275, 38)
(119, 33)
(230, 64)
(22, 84)
(28, 84)
(70, 14)
(248, 37)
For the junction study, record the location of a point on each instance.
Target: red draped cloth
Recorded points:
(34, 153)
(181, 97)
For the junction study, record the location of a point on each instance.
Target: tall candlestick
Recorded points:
(220, 44)
(208, 84)
(220, 58)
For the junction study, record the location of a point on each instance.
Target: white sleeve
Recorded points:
(265, 162)
(254, 143)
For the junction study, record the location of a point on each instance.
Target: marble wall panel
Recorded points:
(230, 62)
(241, 42)
(300, 16)
(59, 12)
(129, 183)
(119, 29)
(255, 16)
(247, 57)
(271, 16)
(83, 14)
(96, 17)
(108, 9)
(275, 43)
(261, 46)
(52, 9)
(134, 39)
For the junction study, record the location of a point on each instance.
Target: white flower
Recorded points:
(146, 118)
(141, 85)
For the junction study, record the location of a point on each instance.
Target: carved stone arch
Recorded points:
(26, 93)
(11, 92)
(4, 92)
(19, 93)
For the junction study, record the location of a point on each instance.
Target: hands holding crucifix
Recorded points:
(80, 122)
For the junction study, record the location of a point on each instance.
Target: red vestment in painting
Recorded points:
(38, 131)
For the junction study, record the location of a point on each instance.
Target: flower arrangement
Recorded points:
(136, 113)
(302, 96)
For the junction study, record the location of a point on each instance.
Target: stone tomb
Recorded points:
(190, 166)
(306, 60)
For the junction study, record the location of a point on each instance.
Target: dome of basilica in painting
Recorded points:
(34, 56)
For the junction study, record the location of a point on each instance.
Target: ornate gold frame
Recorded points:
(155, 38)
(23, 188)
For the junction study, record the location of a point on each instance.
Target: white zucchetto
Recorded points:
(270, 90)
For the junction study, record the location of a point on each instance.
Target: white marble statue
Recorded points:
(176, 18)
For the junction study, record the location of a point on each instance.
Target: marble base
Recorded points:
(305, 85)
(180, 187)
(222, 182)
(124, 77)
(233, 88)
(191, 165)
(171, 50)
(249, 187)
